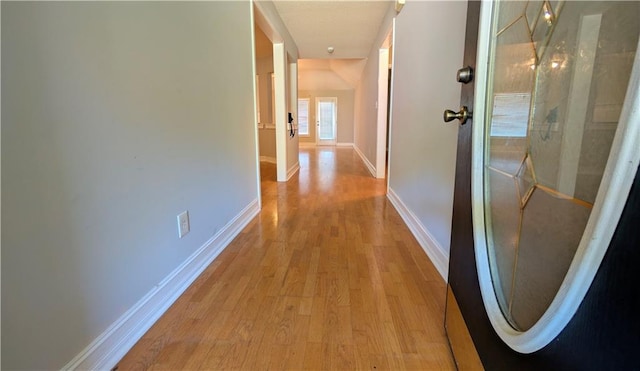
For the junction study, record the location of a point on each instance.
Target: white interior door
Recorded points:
(326, 120)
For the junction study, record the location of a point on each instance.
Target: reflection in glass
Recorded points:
(509, 12)
(560, 73)
(533, 12)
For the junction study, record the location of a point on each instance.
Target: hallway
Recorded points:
(326, 277)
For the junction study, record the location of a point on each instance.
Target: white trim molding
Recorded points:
(350, 145)
(382, 108)
(293, 170)
(367, 163)
(108, 348)
(431, 247)
(269, 159)
(256, 109)
(280, 112)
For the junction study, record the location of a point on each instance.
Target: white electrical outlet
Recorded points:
(183, 223)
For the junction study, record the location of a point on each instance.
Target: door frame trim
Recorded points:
(616, 183)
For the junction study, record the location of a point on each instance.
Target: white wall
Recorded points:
(423, 147)
(116, 116)
(366, 99)
(345, 113)
(366, 111)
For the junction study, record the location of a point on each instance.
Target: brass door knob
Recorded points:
(463, 115)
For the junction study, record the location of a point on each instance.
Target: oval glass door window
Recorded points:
(558, 75)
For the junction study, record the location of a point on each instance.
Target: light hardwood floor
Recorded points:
(326, 277)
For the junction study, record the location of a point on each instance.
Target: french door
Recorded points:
(326, 120)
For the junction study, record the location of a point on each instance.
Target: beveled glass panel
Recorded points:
(509, 12)
(534, 7)
(543, 27)
(556, 5)
(525, 181)
(505, 215)
(554, 106)
(551, 230)
(512, 87)
(514, 56)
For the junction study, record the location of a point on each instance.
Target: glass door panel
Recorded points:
(326, 110)
(560, 71)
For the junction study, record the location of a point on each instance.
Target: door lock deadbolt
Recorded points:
(465, 75)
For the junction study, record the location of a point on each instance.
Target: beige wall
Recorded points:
(345, 113)
(322, 79)
(116, 117)
(366, 112)
(267, 141)
(366, 97)
(423, 147)
(264, 70)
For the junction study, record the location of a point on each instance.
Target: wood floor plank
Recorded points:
(327, 277)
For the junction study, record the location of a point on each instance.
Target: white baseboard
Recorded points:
(291, 172)
(344, 145)
(108, 348)
(312, 145)
(271, 160)
(434, 251)
(368, 164)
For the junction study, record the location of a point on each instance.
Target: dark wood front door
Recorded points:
(605, 331)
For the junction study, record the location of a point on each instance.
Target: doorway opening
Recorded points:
(276, 89)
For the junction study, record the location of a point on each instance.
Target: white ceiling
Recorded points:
(349, 26)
